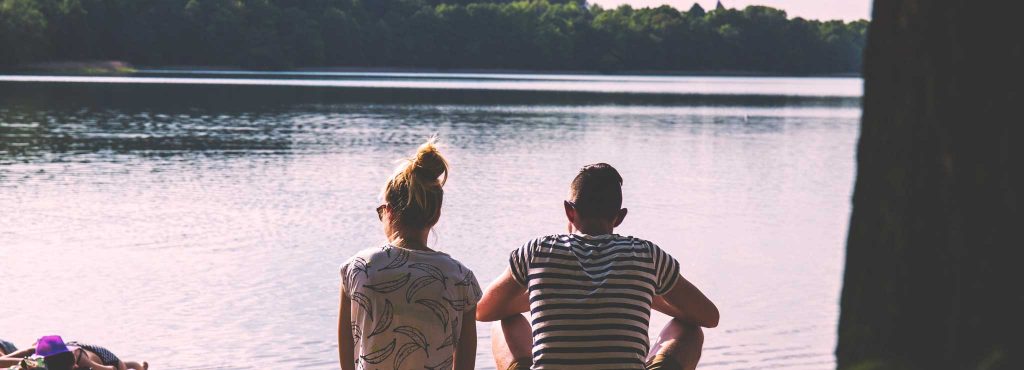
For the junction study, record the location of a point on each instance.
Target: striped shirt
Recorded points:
(590, 298)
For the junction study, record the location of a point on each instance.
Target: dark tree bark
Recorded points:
(933, 275)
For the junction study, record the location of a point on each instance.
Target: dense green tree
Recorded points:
(300, 37)
(528, 34)
(220, 31)
(22, 31)
(340, 33)
(159, 33)
(696, 10)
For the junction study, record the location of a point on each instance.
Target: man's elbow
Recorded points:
(712, 320)
(484, 315)
(712, 323)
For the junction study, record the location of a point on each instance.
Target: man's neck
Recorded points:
(594, 229)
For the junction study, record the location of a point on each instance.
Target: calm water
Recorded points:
(197, 220)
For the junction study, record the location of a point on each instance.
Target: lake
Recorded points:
(197, 219)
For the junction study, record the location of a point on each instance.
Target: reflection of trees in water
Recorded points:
(35, 121)
(24, 131)
(56, 131)
(39, 118)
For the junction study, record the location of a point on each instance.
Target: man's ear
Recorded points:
(570, 211)
(619, 217)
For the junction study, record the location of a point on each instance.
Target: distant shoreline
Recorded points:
(119, 68)
(89, 68)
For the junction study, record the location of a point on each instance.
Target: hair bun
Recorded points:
(429, 163)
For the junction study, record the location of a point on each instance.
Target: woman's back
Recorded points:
(408, 306)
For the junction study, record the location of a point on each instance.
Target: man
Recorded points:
(590, 294)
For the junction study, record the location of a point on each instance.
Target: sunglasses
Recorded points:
(380, 211)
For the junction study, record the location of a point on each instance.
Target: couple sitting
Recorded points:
(589, 293)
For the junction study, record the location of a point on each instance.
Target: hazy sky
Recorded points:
(811, 9)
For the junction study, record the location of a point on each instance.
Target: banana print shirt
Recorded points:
(407, 307)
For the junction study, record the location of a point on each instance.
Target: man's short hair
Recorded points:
(597, 191)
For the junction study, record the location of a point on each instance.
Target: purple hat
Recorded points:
(50, 345)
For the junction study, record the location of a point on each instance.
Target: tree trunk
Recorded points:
(932, 276)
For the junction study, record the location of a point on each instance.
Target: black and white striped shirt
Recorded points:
(590, 298)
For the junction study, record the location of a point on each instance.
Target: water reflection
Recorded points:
(198, 215)
(153, 119)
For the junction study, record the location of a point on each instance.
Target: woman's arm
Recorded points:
(6, 362)
(503, 298)
(465, 354)
(13, 358)
(346, 346)
(685, 302)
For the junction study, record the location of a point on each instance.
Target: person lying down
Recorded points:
(58, 355)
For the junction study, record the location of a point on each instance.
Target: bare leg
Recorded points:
(680, 341)
(132, 365)
(511, 339)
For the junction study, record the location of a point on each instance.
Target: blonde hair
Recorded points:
(415, 192)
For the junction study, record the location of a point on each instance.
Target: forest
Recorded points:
(545, 35)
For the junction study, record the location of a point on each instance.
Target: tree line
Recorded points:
(468, 34)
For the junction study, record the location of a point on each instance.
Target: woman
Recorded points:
(405, 305)
(102, 359)
(72, 355)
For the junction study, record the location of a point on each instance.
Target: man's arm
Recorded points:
(685, 302)
(503, 298)
(346, 346)
(465, 354)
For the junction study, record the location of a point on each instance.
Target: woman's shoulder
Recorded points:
(442, 260)
(450, 267)
(362, 253)
(465, 282)
(391, 257)
(364, 256)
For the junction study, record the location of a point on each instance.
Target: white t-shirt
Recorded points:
(407, 306)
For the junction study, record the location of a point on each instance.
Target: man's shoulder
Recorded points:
(569, 237)
(632, 239)
(545, 240)
(557, 240)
